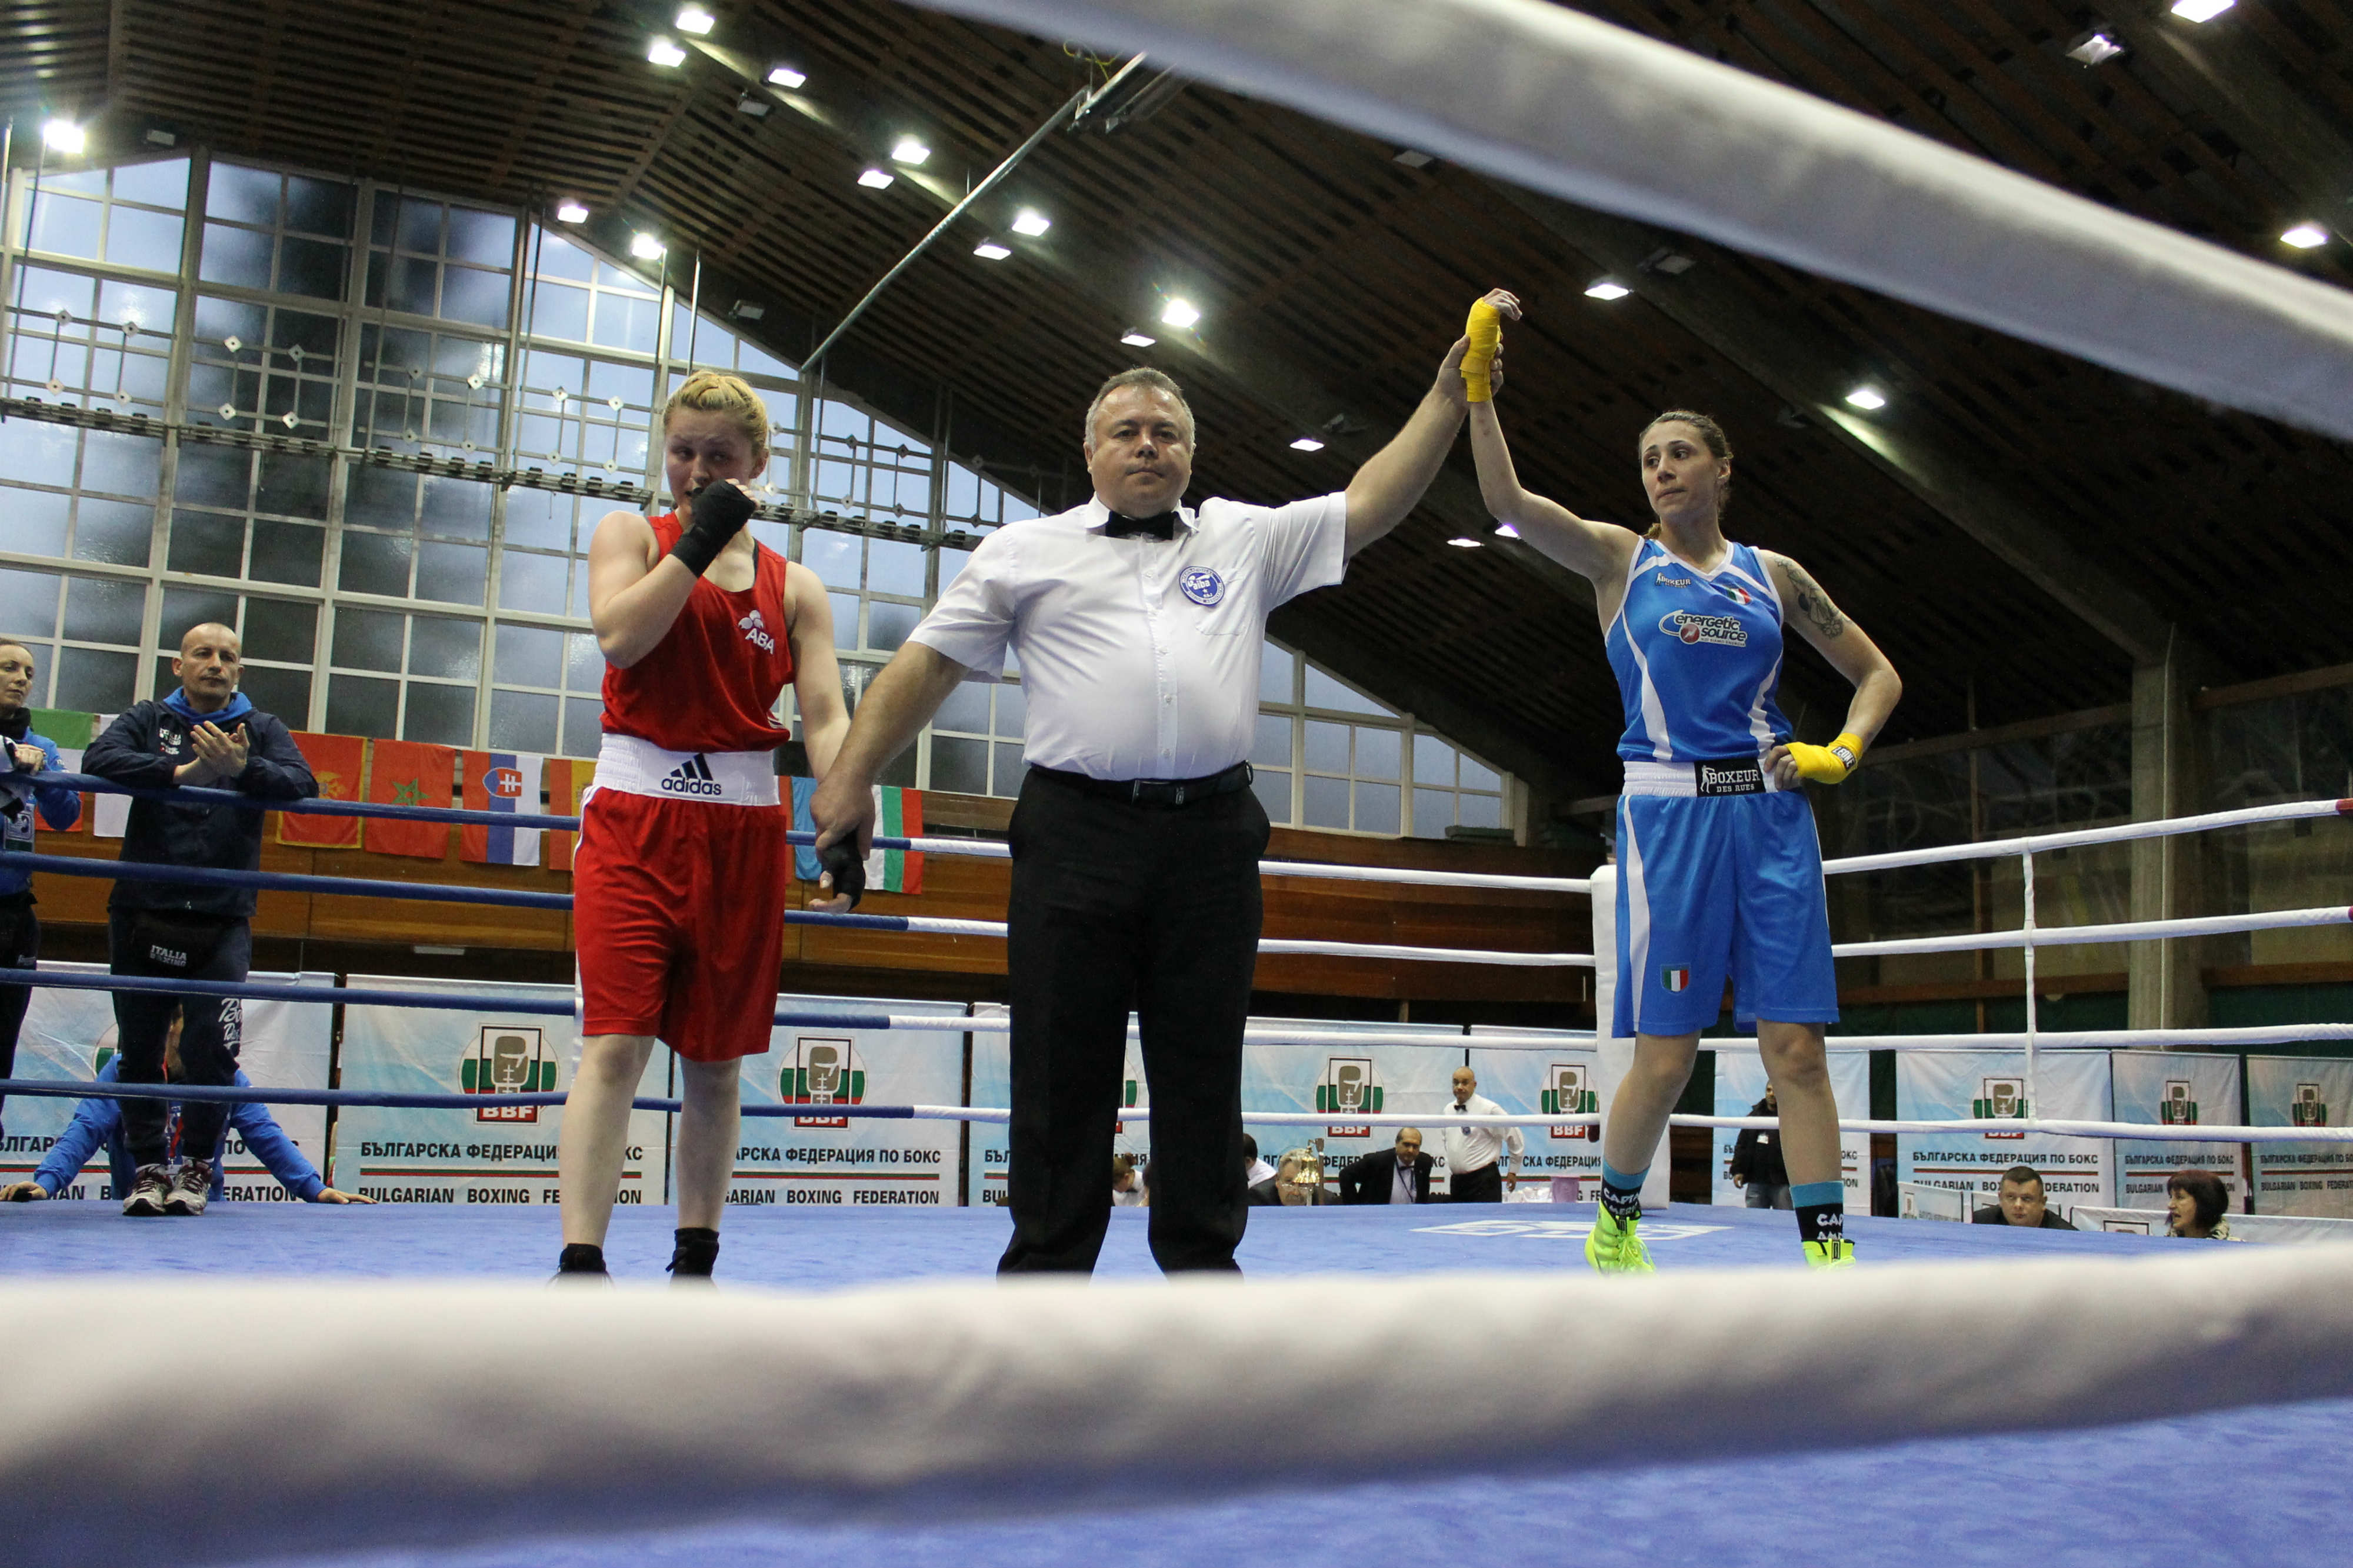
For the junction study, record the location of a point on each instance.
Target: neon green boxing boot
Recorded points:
(1836, 1252)
(1613, 1247)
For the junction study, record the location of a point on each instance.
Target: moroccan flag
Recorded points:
(897, 813)
(501, 781)
(566, 778)
(409, 773)
(336, 762)
(72, 732)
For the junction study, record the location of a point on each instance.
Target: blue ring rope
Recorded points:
(363, 996)
(367, 888)
(233, 1094)
(184, 794)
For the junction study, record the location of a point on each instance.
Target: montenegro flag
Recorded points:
(337, 762)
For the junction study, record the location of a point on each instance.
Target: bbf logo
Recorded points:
(2307, 1109)
(2002, 1099)
(822, 1072)
(507, 1058)
(1566, 1094)
(2177, 1108)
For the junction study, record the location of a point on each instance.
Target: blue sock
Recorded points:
(1821, 1210)
(1622, 1194)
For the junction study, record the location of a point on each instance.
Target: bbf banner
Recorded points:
(71, 1035)
(2174, 1089)
(1740, 1085)
(493, 1154)
(1990, 1087)
(2314, 1179)
(1554, 1082)
(818, 1157)
(992, 1085)
(1343, 1083)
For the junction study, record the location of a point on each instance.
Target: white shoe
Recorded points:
(191, 1186)
(153, 1185)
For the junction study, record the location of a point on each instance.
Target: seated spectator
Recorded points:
(1254, 1170)
(2198, 1206)
(1297, 1182)
(99, 1122)
(1398, 1175)
(1756, 1165)
(2020, 1202)
(1127, 1188)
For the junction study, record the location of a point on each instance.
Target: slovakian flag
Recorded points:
(1675, 979)
(337, 762)
(567, 779)
(897, 813)
(501, 781)
(409, 773)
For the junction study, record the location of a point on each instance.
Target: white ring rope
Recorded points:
(928, 925)
(403, 1415)
(2076, 838)
(2076, 1040)
(993, 849)
(2126, 931)
(1560, 102)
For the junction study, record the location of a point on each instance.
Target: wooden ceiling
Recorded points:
(1332, 278)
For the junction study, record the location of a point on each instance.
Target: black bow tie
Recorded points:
(1123, 526)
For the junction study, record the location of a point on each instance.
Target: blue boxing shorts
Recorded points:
(1717, 886)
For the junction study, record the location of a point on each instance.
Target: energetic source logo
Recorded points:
(822, 1072)
(507, 1058)
(1723, 630)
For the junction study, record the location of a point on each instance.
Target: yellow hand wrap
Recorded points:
(1827, 764)
(1485, 331)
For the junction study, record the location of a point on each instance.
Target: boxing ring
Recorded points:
(397, 1386)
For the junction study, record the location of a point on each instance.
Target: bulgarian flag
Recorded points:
(72, 732)
(897, 813)
(336, 762)
(567, 778)
(409, 773)
(501, 781)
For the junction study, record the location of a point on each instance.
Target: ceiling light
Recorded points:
(1031, 222)
(786, 77)
(1180, 313)
(1413, 160)
(2201, 10)
(907, 150)
(753, 104)
(157, 136)
(1307, 443)
(989, 250)
(694, 19)
(1505, 531)
(2094, 48)
(64, 136)
(1605, 289)
(646, 247)
(1137, 337)
(2306, 236)
(1466, 544)
(750, 309)
(1866, 398)
(571, 212)
(665, 52)
(877, 179)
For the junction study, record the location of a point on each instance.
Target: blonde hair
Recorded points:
(713, 392)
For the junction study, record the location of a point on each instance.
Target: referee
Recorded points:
(1139, 623)
(1472, 1153)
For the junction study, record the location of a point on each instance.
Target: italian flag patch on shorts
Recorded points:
(1675, 979)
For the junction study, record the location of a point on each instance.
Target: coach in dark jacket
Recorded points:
(1393, 1175)
(204, 733)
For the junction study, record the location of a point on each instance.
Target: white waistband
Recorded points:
(711, 778)
(1679, 778)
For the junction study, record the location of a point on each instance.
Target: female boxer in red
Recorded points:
(679, 881)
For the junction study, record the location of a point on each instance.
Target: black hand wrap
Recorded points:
(847, 867)
(720, 511)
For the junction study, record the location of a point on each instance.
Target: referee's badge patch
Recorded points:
(1675, 979)
(1201, 586)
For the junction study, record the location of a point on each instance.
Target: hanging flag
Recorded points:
(501, 781)
(566, 778)
(71, 731)
(336, 762)
(409, 773)
(109, 814)
(897, 813)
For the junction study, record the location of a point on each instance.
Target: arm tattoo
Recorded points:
(1813, 604)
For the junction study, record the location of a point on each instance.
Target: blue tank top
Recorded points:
(1698, 658)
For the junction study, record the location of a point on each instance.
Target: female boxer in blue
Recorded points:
(1719, 870)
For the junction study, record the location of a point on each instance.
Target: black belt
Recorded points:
(1161, 793)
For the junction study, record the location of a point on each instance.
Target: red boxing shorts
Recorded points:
(679, 908)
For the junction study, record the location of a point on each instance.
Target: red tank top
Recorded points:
(709, 683)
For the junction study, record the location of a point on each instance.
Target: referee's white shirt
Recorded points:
(1475, 1148)
(1139, 656)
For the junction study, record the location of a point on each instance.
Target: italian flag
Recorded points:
(897, 813)
(1675, 979)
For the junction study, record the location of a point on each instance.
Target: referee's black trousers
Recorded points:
(1117, 907)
